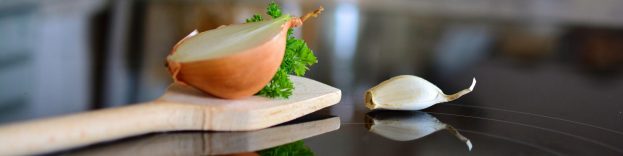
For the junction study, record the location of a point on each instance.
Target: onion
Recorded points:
(232, 61)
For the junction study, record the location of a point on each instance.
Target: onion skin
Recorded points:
(234, 76)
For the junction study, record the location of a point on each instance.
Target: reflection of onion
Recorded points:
(233, 61)
(407, 126)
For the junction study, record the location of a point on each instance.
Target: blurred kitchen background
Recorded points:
(540, 56)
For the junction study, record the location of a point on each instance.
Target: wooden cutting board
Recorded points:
(180, 108)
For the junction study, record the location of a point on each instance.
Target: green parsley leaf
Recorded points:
(273, 10)
(297, 148)
(255, 18)
(279, 86)
(300, 57)
(290, 33)
(296, 60)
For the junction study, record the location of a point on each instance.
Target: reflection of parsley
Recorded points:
(297, 148)
(296, 60)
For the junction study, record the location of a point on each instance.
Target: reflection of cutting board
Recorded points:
(180, 108)
(215, 143)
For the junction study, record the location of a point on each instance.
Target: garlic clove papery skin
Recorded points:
(408, 92)
(408, 126)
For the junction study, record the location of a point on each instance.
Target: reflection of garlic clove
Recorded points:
(407, 126)
(459, 136)
(407, 92)
(403, 126)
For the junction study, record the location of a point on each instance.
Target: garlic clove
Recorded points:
(408, 92)
(407, 126)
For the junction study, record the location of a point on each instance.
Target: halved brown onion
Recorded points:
(234, 61)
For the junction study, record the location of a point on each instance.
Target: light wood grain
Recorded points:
(217, 143)
(180, 108)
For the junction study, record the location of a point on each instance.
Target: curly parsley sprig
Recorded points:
(297, 59)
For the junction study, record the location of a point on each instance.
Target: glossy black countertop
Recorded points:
(490, 130)
(435, 131)
(545, 109)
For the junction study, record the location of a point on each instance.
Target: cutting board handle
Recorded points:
(97, 126)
